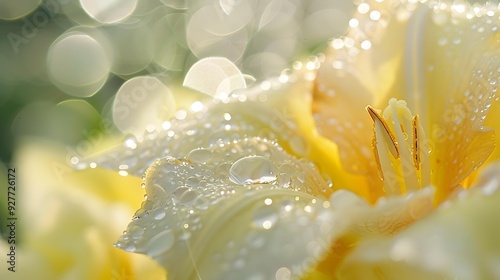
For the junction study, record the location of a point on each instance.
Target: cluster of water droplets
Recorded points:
(220, 196)
(245, 196)
(243, 113)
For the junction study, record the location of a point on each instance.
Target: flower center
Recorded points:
(400, 148)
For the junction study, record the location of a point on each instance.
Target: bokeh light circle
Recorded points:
(78, 64)
(215, 76)
(170, 46)
(132, 48)
(10, 10)
(109, 11)
(211, 32)
(142, 102)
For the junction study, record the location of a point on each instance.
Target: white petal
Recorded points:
(199, 221)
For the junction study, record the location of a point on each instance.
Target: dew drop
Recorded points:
(160, 215)
(179, 192)
(139, 213)
(147, 204)
(252, 170)
(192, 182)
(223, 169)
(284, 180)
(200, 155)
(160, 243)
(288, 168)
(188, 197)
(129, 248)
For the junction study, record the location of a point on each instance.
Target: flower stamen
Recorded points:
(403, 162)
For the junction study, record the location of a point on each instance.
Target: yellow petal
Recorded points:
(492, 121)
(297, 103)
(461, 81)
(366, 67)
(68, 224)
(46, 166)
(459, 241)
(108, 185)
(442, 59)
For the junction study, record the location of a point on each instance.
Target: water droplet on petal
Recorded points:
(129, 247)
(160, 215)
(200, 155)
(179, 192)
(284, 180)
(188, 197)
(252, 170)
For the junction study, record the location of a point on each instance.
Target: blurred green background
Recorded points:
(62, 61)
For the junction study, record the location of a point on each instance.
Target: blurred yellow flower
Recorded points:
(231, 193)
(69, 220)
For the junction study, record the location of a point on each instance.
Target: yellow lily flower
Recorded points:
(230, 194)
(442, 59)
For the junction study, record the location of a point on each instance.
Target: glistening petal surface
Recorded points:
(241, 210)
